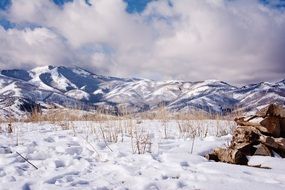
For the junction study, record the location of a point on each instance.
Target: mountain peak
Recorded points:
(41, 69)
(73, 86)
(17, 73)
(282, 81)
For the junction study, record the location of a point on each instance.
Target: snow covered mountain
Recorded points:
(74, 87)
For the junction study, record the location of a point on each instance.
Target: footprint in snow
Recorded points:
(167, 145)
(59, 163)
(151, 186)
(64, 178)
(49, 139)
(76, 150)
(26, 186)
(5, 150)
(79, 183)
(184, 164)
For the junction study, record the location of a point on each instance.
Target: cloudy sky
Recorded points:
(238, 41)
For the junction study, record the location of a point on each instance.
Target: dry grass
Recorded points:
(58, 115)
(110, 129)
(162, 114)
(187, 130)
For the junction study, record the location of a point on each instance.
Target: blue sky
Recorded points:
(136, 5)
(133, 6)
(238, 41)
(4, 4)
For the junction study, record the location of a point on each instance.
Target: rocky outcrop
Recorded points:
(261, 134)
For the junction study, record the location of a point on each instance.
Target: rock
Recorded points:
(277, 144)
(272, 110)
(282, 127)
(272, 124)
(229, 155)
(260, 134)
(276, 110)
(212, 156)
(244, 136)
(242, 122)
(262, 150)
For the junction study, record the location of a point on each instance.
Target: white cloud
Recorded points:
(236, 41)
(30, 47)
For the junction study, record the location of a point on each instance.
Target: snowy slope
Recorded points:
(75, 86)
(82, 160)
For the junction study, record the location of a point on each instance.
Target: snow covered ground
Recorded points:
(104, 155)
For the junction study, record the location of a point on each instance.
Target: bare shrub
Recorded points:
(186, 130)
(141, 142)
(68, 125)
(10, 128)
(110, 134)
(164, 116)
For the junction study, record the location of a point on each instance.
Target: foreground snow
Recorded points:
(80, 158)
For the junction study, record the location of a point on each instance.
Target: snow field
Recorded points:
(127, 154)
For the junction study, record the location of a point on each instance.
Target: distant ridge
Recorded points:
(78, 88)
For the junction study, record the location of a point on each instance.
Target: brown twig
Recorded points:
(27, 160)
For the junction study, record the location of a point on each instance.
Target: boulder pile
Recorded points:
(262, 134)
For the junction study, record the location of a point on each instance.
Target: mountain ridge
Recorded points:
(78, 87)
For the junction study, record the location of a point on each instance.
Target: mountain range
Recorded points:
(74, 87)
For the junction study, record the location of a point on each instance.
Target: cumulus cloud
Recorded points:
(32, 47)
(237, 41)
